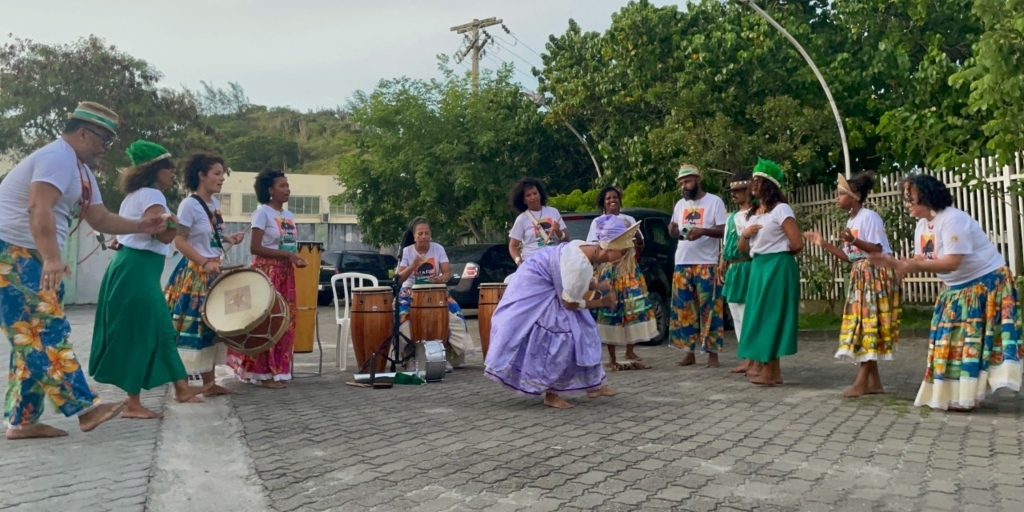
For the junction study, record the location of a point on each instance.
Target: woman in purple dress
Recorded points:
(543, 341)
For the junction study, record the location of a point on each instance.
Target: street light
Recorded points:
(538, 99)
(821, 79)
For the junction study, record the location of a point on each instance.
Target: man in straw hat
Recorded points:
(698, 221)
(42, 202)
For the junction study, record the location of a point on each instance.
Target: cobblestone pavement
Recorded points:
(675, 438)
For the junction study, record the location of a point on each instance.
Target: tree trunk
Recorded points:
(480, 237)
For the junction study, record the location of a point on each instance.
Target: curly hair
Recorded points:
(264, 182)
(142, 176)
(768, 194)
(410, 234)
(603, 194)
(517, 199)
(197, 165)
(930, 191)
(862, 183)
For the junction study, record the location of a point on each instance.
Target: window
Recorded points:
(343, 209)
(304, 205)
(249, 203)
(225, 203)
(657, 231)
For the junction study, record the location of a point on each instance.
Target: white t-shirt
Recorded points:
(575, 270)
(592, 235)
(530, 234)
(279, 230)
(56, 164)
(707, 212)
(134, 206)
(200, 236)
(431, 266)
(953, 231)
(867, 226)
(771, 239)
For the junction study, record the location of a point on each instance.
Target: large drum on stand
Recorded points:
(306, 281)
(428, 314)
(246, 312)
(490, 296)
(370, 319)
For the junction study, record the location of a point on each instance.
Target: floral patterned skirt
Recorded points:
(631, 319)
(975, 343)
(871, 317)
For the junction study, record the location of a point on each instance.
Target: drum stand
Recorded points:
(392, 344)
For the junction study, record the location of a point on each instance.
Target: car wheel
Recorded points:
(660, 316)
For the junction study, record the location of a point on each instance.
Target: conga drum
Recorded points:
(246, 312)
(370, 318)
(428, 315)
(306, 281)
(490, 296)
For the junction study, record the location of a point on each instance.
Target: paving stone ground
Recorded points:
(674, 439)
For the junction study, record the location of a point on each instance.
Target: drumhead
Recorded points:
(493, 285)
(238, 300)
(429, 287)
(372, 289)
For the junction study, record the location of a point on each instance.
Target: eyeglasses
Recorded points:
(106, 140)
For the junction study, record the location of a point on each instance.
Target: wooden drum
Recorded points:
(428, 315)
(245, 311)
(371, 320)
(490, 296)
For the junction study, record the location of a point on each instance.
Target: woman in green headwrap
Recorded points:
(133, 343)
(771, 314)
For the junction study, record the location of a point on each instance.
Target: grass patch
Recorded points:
(912, 319)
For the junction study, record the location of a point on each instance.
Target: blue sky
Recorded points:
(303, 53)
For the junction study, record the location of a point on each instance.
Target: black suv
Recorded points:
(657, 260)
(381, 266)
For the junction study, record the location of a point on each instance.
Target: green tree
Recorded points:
(40, 84)
(434, 148)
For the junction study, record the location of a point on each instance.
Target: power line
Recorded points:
(509, 32)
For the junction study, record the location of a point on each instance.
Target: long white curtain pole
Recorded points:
(821, 79)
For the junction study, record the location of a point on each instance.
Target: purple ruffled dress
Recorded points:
(538, 345)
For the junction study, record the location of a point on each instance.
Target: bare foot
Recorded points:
(556, 401)
(712, 360)
(875, 390)
(191, 396)
(742, 368)
(612, 366)
(688, 360)
(272, 384)
(100, 415)
(138, 412)
(754, 370)
(764, 378)
(856, 390)
(632, 356)
(218, 390)
(35, 431)
(603, 391)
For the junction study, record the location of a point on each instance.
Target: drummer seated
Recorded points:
(426, 263)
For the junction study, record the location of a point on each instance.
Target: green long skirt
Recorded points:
(771, 319)
(737, 279)
(133, 343)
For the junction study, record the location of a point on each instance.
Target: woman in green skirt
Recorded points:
(771, 315)
(133, 343)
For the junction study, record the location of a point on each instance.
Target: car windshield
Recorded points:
(579, 227)
(464, 254)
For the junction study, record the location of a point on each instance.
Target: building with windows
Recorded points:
(316, 216)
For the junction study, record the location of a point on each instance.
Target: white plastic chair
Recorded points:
(349, 280)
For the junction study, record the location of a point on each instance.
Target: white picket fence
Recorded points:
(992, 203)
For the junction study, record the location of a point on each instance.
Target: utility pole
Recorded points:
(474, 44)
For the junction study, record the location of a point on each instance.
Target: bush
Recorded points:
(636, 195)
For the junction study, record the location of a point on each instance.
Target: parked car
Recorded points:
(474, 264)
(657, 260)
(381, 266)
